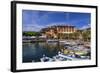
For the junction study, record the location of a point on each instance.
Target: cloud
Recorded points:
(45, 17)
(57, 23)
(85, 27)
(36, 24)
(34, 21)
(32, 27)
(67, 17)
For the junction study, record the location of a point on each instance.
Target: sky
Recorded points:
(33, 20)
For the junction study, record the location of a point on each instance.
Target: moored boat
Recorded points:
(46, 59)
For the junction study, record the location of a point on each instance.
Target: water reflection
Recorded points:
(35, 51)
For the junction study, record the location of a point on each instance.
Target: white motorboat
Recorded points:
(46, 59)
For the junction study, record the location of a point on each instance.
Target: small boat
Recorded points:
(59, 58)
(33, 61)
(52, 41)
(46, 59)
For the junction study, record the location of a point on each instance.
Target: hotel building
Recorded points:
(53, 31)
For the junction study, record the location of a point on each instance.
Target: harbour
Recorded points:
(52, 51)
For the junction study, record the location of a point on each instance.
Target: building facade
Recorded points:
(55, 31)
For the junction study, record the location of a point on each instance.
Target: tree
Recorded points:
(86, 35)
(76, 35)
(31, 34)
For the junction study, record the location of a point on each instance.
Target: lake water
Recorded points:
(35, 51)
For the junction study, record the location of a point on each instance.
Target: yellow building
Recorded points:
(54, 31)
